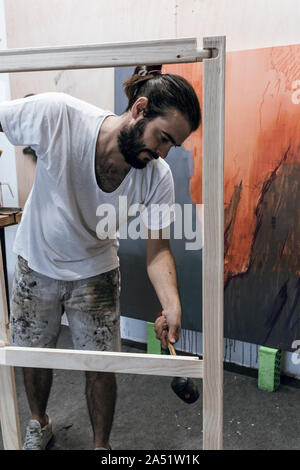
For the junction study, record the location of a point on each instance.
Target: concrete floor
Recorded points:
(149, 416)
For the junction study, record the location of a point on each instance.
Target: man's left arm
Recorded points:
(162, 274)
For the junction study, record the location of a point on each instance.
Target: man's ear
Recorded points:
(139, 107)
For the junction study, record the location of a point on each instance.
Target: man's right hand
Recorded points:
(161, 330)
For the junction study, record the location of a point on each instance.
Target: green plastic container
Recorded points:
(269, 361)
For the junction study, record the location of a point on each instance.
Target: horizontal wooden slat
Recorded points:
(101, 55)
(213, 248)
(127, 363)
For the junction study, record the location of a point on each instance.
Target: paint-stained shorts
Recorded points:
(91, 306)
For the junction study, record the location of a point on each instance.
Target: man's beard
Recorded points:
(131, 144)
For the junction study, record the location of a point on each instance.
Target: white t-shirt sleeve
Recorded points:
(159, 210)
(31, 121)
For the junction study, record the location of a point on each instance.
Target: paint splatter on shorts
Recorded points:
(91, 306)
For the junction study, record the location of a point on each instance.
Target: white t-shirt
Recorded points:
(59, 232)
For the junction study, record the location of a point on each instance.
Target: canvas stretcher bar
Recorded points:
(167, 51)
(213, 247)
(211, 367)
(122, 363)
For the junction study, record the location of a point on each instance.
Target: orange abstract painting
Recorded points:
(261, 192)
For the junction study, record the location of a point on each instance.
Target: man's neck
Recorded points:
(107, 148)
(110, 165)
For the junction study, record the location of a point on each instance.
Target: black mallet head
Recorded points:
(185, 389)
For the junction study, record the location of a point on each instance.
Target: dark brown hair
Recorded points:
(164, 91)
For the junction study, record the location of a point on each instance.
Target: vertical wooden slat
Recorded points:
(8, 398)
(213, 249)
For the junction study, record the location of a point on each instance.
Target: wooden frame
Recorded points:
(213, 249)
(211, 367)
(168, 51)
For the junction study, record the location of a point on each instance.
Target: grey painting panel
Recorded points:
(138, 298)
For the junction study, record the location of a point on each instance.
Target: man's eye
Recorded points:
(164, 140)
